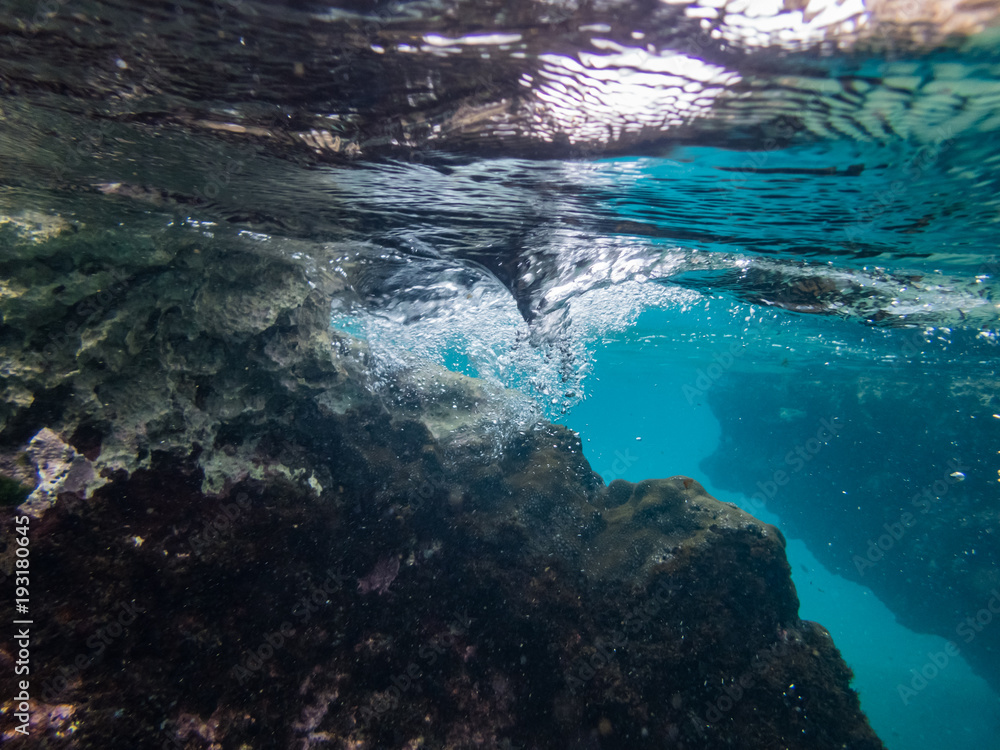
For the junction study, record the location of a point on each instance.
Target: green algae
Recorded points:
(12, 492)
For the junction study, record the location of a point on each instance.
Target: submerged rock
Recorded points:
(271, 554)
(59, 469)
(249, 620)
(919, 522)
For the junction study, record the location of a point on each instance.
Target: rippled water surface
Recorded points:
(648, 218)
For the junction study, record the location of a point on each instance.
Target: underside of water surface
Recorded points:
(339, 345)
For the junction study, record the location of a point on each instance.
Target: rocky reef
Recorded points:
(919, 526)
(236, 541)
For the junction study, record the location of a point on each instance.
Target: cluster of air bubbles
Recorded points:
(574, 291)
(437, 321)
(459, 317)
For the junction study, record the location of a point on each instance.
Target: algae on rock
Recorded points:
(216, 474)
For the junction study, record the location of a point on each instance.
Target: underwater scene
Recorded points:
(530, 375)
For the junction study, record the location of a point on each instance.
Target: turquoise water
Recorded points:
(640, 420)
(701, 240)
(797, 335)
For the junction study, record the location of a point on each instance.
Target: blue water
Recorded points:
(800, 290)
(829, 210)
(640, 420)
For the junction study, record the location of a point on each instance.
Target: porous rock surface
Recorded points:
(237, 543)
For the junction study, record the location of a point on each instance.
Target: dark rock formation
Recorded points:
(914, 519)
(236, 541)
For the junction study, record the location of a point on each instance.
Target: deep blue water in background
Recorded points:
(641, 420)
(821, 230)
(715, 309)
